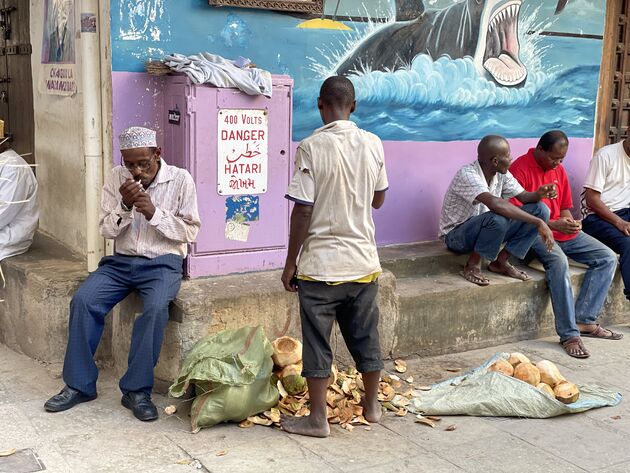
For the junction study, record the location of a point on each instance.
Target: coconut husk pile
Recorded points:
(156, 68)
(343, 397)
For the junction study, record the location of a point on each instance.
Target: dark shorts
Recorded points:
(353, 306)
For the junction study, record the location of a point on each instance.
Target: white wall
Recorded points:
(59, 148)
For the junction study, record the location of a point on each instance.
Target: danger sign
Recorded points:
(242, 152)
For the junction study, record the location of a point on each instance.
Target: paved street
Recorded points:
(102, 436)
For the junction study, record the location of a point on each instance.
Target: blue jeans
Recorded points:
(485, 233)
(601, 262)
(610, 235)
(158, 281)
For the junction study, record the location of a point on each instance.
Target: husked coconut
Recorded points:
(544, 387)
(566, 392)
(502, 366)
(549, 373)
(516, 358)
(286, 351)
(292, 380)
(528, 373)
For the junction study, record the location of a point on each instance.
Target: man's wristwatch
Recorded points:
(125, 207)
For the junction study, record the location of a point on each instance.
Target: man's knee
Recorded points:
(495, 222)
(81, 298)
(556, 260)
(537, 209)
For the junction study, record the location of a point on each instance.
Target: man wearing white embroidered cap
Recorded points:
(150, 211)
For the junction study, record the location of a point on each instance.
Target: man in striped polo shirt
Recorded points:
(150, 211)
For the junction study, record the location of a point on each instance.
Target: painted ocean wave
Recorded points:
(447, 100)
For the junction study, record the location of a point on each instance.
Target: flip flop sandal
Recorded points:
(604, 333)
(512, 272)
(571, 344)
(473, 278)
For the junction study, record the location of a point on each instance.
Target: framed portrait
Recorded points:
(307, 6)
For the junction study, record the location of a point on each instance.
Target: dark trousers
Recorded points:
(610, 235)
(485, 233)
(354, 307)
(157, 280)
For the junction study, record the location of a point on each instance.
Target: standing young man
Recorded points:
(339, 175)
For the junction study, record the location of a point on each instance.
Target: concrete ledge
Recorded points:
(426, 308)
(440, 312)
(39, 286)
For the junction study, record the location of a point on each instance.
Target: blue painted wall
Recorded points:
(432, 99)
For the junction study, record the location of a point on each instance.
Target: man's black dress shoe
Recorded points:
(140, 404)
(66, 399)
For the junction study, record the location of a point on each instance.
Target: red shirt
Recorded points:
(531, 176)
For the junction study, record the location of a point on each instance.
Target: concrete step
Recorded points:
(426, 307)
(443, 313)
(425, 258)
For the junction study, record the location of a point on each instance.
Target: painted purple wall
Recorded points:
(138, 100)
(419, 172)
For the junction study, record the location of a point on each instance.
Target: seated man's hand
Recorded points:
(129, 191)
(547, 191)
(623, 227)
(566, 225)
(144, 205)
(545, 234)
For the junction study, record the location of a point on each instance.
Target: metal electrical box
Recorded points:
(237, 148)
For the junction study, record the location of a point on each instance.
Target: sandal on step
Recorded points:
(574, 347)
(477, 279)
(601, 332)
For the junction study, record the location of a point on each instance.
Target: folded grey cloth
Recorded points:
(212, 69)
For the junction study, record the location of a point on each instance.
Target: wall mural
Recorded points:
(434, 70)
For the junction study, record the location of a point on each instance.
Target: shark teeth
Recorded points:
(505, 70)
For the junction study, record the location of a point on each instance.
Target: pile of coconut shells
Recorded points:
(544, 375)
(343, 396)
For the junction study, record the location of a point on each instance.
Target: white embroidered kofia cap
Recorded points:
(137, 137)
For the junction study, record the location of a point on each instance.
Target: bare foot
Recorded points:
(305, 426)
(372, 412)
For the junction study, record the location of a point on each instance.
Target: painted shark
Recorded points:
(484, 30)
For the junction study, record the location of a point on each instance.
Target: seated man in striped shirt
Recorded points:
(478, 219)
(150, 210)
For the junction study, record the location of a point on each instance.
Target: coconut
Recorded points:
(545, 388)
(528, 373)
(286, 351)
(292, 380)
(566, 392)
(502, 366)
(516, 358)
(549, 373)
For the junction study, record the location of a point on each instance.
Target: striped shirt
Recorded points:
(460, 201)
(175, 222)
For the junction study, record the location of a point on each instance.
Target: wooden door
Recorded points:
(16, 82)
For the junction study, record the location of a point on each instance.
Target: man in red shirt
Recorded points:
(542, 165)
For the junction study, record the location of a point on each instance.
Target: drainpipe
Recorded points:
(92, 134)
(106, 97)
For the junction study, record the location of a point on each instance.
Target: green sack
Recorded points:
(231, 372)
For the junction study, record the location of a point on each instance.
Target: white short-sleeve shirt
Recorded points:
(460, 201)
(609, 173)
(337, 170)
